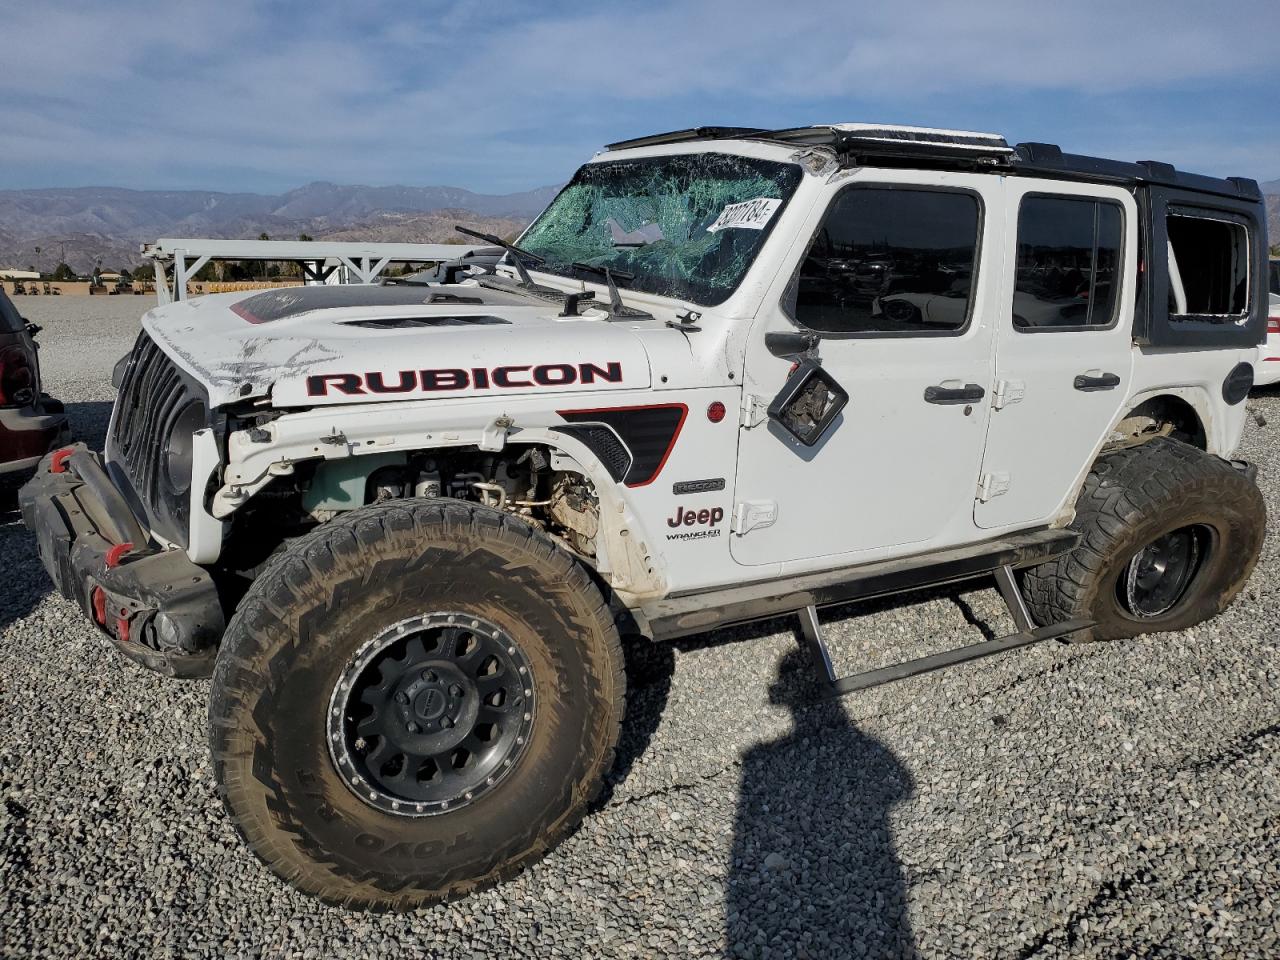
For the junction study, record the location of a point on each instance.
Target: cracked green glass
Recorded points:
(683, 195)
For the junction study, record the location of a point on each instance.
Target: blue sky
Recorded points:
(501, 96)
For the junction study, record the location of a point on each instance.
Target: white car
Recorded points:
(1269, 353)
(727, 374)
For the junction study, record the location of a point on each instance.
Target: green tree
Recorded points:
(63, 273)
(293, 268)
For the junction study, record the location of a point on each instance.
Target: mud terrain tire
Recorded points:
(300, 627)
(1131, 500)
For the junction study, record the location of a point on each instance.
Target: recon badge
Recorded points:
(697, 486)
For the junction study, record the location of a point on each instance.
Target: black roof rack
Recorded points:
(1047, 159)
(684, 136)
(889, 145)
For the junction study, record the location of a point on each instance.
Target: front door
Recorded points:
(1064, 352)
(901, 288)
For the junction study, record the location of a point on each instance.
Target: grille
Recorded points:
(154, 393)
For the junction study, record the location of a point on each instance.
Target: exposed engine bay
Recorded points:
(521, 481)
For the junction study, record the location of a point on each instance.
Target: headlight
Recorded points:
(178, 448)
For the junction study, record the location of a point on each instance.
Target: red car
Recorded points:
(30, 422)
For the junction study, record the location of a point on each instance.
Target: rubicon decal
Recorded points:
(510, 377)
(701, 523)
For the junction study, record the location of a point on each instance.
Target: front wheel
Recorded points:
(1169, 536)
(414, 702)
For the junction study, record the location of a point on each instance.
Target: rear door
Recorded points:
(1064, 349)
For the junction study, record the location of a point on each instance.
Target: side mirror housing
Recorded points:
(808, 403)
(789, 345)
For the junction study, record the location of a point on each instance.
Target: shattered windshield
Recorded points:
(686, 227)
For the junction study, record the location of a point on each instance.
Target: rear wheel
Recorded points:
(1169, 536)
(414, 702)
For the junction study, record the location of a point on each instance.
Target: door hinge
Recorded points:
(1007, 392)
(755, 410)
(751, 514)
(992, 485)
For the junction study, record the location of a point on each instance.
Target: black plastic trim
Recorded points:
(687, 135)
(604, 443)
(692, 613)
(1153, 326)
(76, 520)
(1238, 383)
(1087, 384)
(648, 433)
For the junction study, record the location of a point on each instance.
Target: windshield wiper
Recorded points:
(616, 306)
(516, 254)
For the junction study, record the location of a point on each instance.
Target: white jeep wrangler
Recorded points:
(727, 374)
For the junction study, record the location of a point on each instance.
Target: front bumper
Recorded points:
(154, 604)
(27, 434)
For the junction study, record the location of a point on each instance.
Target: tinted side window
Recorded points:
(9, 318)
(891, 261)
(1068, 262)
(1275, 276)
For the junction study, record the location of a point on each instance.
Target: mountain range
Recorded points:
(106, 225)
(83, 225)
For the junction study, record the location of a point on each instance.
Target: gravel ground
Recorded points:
(1091, 801)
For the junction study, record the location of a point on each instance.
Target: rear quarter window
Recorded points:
(1204, 273)
(1208, 265)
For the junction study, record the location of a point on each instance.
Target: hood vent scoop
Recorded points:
(410, 323)
(453, 298)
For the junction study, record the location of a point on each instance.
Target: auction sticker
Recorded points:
(748, 215)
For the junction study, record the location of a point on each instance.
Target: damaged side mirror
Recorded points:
(808, 403)
(789, 345)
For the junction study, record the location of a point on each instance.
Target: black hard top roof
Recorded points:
(886, 145)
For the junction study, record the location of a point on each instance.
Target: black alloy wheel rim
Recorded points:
(431, 714)
(1159, 574)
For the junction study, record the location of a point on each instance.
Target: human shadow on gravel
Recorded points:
(813, 871)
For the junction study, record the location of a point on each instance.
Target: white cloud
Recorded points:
(497, 95)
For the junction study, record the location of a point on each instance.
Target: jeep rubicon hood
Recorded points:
(305, 346)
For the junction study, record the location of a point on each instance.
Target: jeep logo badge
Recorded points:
(688, 518)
